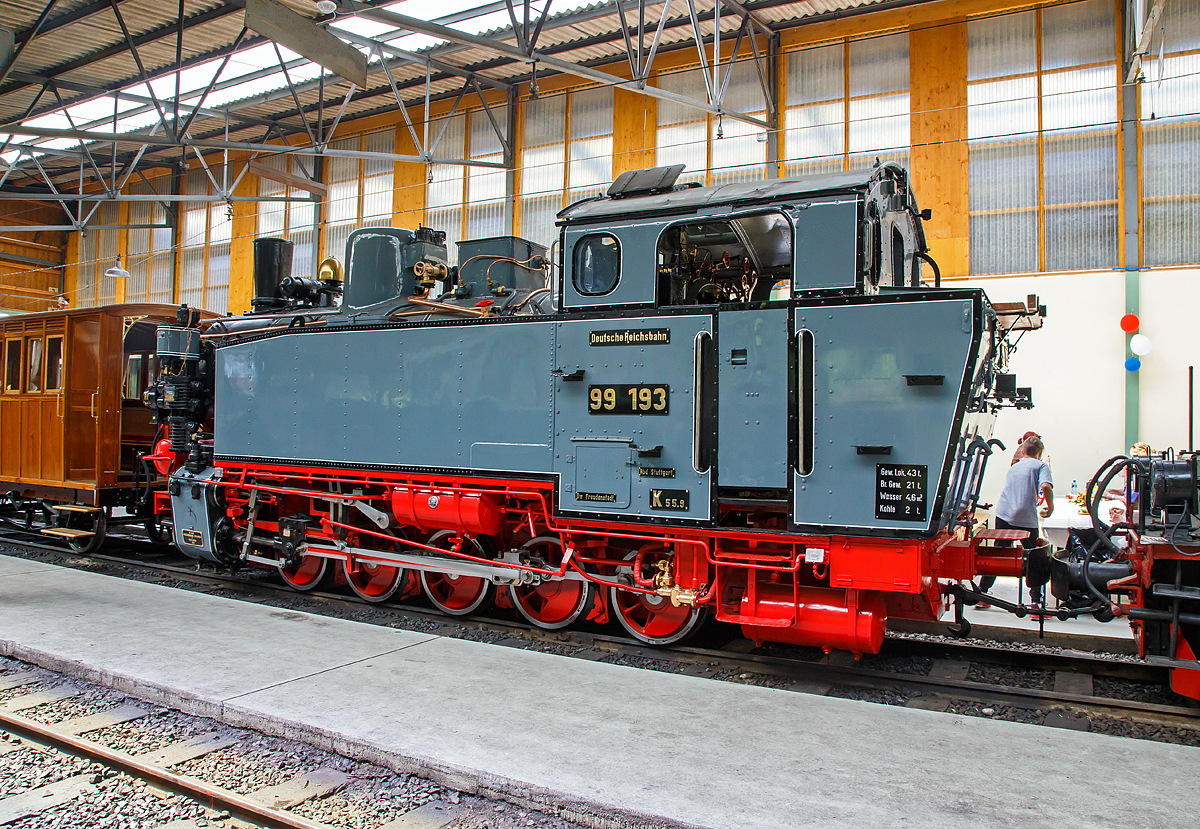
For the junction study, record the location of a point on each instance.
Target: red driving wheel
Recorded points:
(555, 603)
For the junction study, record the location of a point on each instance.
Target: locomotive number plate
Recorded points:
(900, 491)
(630, 399)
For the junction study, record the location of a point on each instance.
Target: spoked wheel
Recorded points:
(451, 593)
(373, 581)
(653, 619)
(556, 603)
(305, 573)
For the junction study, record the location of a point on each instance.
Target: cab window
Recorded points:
(12, 366)
(597, 264)
(742, 259)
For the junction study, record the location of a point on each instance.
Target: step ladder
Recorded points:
(67, 533)
(75, 508)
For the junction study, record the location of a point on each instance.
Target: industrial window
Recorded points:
(1041, 125)
(54, 363)
(151, 256)
(471, 136)
(204, 244)
(1170, 117)
(566, 155)
(97, 253)
(360, 190)
(12, 366)
(714, 150)
(597, 264)
(485, 186)
(847, 105)
(293, 220)
(34, 375)
(444, 194)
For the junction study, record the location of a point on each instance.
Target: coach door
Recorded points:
(634, 402)
(82, 402)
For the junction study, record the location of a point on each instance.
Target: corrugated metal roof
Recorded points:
(91, 52)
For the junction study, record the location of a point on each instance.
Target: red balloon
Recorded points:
(1130, 323)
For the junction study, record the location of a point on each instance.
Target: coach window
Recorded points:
(34, 378)
(54, 363)
(597, 264)
(12, 366)
(134, 378)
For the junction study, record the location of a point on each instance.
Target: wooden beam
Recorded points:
(301, 35)
(939, 156)
(291, 180)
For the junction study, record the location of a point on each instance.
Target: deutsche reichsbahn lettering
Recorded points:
(631, 336)
(900, 491)
(670, 499)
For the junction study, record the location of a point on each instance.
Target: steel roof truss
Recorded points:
(167, 128)
(33, 33)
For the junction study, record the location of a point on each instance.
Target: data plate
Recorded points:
(900, 491)
(630, 399)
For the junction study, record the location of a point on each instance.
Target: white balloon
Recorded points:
(1140, 344)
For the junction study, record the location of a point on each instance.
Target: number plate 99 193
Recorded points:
(630, 399)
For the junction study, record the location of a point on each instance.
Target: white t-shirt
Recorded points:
(1018, 500)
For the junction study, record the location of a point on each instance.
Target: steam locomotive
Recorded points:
(735, 401)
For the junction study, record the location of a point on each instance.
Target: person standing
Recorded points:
(1017, 506)
(986, 582)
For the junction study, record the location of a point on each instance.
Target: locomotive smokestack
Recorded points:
(272, 264)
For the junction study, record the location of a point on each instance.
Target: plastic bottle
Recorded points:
(1074, 488)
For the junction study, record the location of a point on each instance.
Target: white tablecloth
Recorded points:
(1067, 516)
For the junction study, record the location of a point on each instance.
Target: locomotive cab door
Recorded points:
(634, 403)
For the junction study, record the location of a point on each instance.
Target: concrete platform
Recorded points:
(610, 739)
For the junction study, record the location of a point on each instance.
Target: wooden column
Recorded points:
(635, 126)
(241, 245)
(71, 271)
(408, 180)
(938, 95)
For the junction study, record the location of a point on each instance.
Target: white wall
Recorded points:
(1074, 365)
(1168, 302)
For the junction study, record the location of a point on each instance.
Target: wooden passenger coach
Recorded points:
(72, 421)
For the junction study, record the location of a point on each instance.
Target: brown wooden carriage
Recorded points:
(72, 421)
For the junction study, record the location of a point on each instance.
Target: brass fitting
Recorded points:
(428, 273)
(665, 580)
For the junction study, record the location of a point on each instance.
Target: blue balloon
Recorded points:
(1133, 364)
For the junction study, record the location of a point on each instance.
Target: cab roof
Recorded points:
(691, 199)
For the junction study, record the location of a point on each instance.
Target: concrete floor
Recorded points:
(624, 741)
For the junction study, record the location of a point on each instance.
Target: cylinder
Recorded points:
(477, 513)
(272, 263)
(822, 618)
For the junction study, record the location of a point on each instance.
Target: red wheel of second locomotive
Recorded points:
(554, 603)
(305, 573)
(453, 593)
(652, 618)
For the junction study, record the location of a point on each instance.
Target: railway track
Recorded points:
(74, 754)
(1079, 686)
